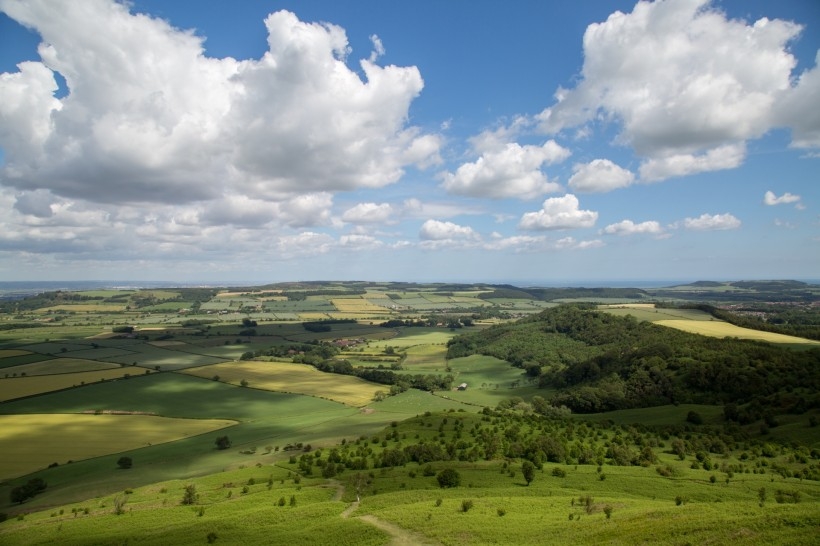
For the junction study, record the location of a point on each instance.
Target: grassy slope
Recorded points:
(242, 505)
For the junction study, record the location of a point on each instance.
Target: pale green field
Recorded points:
(425, 358)
(60, 365)
(34, 441)
(724, 329)
(19, 387)
(293, 378)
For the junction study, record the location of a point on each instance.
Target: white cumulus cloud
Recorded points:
(771, 199)
(628, 227)
(148, 117)
(712, 222)
(716, 159)
(369, 213)
(599, 175)
(513, 171)
(435, 230)
(558, 213)
(683, 83)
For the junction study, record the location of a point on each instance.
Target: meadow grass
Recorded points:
(659, 415)
(293, 378)
(34, 441)
(425, 358)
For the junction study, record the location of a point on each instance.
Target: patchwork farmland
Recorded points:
(340, 404)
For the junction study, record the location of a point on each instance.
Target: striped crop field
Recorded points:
(724, 329)
(20, 387)
(293, 378)
(60, 365)
(357, 305)
(34, 441)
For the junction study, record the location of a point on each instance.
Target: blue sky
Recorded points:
(526, 142)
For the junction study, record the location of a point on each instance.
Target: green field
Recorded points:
(292, 378)
(34, 441)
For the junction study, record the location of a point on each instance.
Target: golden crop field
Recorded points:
(293, 378)
(13, 352)
(18, 387)
(60, 365)
(724, 329)
(357, 305)
(34, 441)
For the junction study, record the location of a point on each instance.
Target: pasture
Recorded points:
(59, 365)
(21, 387)
(34, 441)
(293, 378)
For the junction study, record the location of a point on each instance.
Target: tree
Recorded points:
(694, 418)
(190, 496)
(223, 442)
(125, 462)
(448, 477)
(528, 470)
(22, 493)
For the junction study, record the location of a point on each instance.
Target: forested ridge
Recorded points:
(601, 362)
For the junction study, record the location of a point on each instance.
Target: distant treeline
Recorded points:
(602, 362)
(302, 295)
(324, 325)
(550, 294)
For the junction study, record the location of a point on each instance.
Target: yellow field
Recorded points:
(313, 316)
(19, 387)
(293, 378)
(32, 442)
(357, 305)
(724, 329)
(13, 352)
(60, 365)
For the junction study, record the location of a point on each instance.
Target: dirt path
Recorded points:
(398, 535)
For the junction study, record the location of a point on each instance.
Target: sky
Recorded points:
(526, 142)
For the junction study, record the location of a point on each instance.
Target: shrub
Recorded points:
(223, 442)
(559, 472)
(438, 502)
(448, 477)
(466, 505)
(694, 418)
(501, 512)
(125, 462)
(608, 511)
(211, 538)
